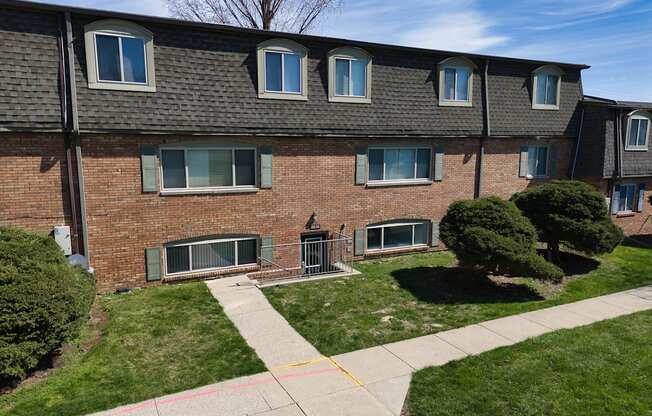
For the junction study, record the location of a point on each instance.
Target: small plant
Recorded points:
(572, 213)
(492, 234)
(43, 301)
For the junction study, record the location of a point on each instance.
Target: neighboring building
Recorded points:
(178, 149)
(614, 155)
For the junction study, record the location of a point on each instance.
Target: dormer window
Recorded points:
(546, 87)
(282, 70)
(638, 130)
(456, 82)
(349, 75)
(119, 56)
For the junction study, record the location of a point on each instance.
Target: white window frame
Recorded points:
(120, 29)
(634, 197)
(283, 47)
(349, 54)
(390, 225)
(638, 115)
(203, 242)
(539, 146)
(455, 63)
(190, 190)
(546, 71)
(413, 180)
(121, 57)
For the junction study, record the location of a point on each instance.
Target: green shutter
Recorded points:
(434, 228)
(358, 244)
(554, 156)
(148, 168)
(439, 162)
(361, 166)
(615, 200)
(266, 250)
(522, 167)
(153, 258)
(266, 167)
(641, 197)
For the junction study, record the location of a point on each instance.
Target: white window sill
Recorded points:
(207, 191)
(283, 96)
(623, 214)
(636, 149)
(454, 103)
(380, 184)
(397, 249)
(349, 99)
(119, 86)
(209, 272)
(545, 107)
(533, 177)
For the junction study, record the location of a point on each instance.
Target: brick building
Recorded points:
(177, 149)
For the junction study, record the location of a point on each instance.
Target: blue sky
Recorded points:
(613, 36)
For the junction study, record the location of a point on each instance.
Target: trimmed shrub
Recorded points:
(43, 301)
(572, 213)
(492, 234)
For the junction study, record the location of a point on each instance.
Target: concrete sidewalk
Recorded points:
(372, 381)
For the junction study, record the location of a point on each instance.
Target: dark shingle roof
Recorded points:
(590, 99)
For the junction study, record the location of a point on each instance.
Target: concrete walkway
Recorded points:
(372, 381)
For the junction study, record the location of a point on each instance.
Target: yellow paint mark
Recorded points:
(347, 372)
(300, 364)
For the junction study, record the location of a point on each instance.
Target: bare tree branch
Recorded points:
(283, 15)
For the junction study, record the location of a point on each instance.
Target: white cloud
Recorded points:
(457, 31)
(583, 7)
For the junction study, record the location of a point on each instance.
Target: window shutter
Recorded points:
(266, 250)
(522, 167)
(439, 162)
(358, 245)
(554, 155)
(434, 228)
(361, 166)
(266, 167)
(148, 168)
(641, 197)
(615, 199)
(153, 259)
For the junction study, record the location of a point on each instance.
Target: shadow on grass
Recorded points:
(453, 285)
(573, 264)
(638, 241)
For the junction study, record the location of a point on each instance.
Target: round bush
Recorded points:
(43, 300)
(492, 234)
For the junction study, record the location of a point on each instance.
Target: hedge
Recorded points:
(43, 301)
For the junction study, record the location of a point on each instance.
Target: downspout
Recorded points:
(487, 129)
(63, 94)
(577, 145)
(74, 119)
(620, 143)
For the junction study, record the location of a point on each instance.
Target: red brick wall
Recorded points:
(33, 181)
(635, 223)
(501, 164)
(309, 175)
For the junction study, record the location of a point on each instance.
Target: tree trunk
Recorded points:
(553, 251)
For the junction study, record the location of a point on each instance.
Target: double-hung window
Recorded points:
(119, 56)
(400, 164)
(397, 235)
(638, 132)
(282, 70)
(626, 197)
(210, 255)
(456, 82)
(546, 88)
(537, 161)
(211, 168)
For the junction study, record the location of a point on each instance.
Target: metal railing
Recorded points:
(314, 256)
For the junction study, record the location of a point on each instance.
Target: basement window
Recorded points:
(397, 235)
(209, 255)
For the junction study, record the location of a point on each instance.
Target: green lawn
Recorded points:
(156, 341)
(415, 295)
(603, 369)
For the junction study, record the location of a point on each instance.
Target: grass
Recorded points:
(421, 294)
(156, 341)
(599, 370)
